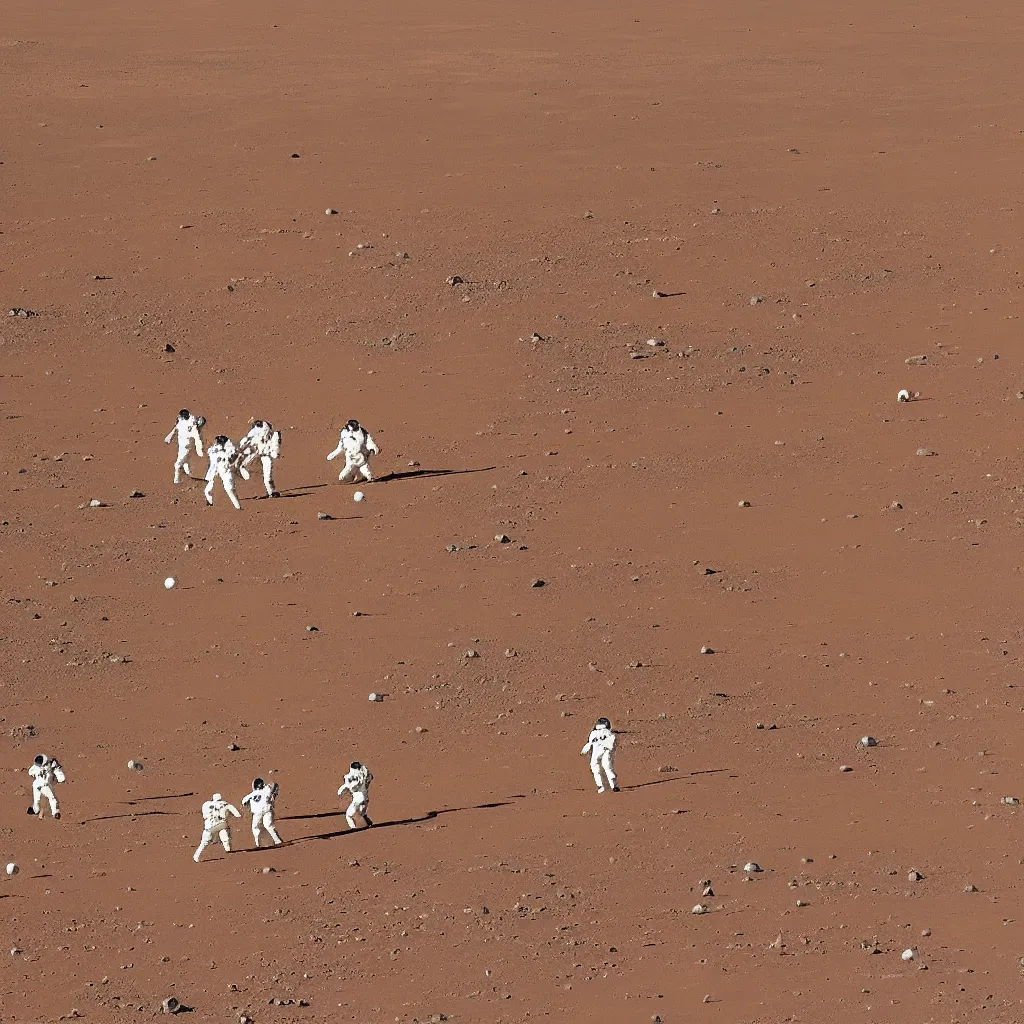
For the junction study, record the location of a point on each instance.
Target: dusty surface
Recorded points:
(857, 167)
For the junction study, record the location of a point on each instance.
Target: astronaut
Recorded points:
(263, 442)
(261, 805)
(223, 457)
(187, 430)
(215, 822)
(601, 747)
(45, 771)
(357, 782)
(358, 446)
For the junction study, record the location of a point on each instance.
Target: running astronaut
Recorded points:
(215, 822)
(187, 430)
(223, 457)
(357, 782)
(262, 442)
(45, 773)
(600, 746)
(358, 446)
(261, 806)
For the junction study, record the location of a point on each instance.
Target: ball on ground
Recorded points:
(358, 496)
(12, 868)
(170, 582)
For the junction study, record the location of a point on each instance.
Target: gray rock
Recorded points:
(538, 583)
(925, 452)
(916, 360)
(324, 516)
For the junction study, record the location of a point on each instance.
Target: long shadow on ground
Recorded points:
(429, 816)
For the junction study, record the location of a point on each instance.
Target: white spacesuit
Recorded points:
(223, 464)
(601, 747)
(215, 822)
(45, 772)
(261, 805)
(358, 446)
(262, 442)
(357, 782)
(187, 430)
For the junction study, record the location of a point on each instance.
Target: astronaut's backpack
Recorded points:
(275, 445)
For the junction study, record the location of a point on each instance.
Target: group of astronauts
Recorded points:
(45, 772)
(229, 460)
(261, 802)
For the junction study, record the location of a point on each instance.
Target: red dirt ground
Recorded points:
(856, 166)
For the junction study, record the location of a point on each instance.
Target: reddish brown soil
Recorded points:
(858, 166)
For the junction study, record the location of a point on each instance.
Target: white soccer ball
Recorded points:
(12, 868)
(358, 496)
(903, 396)
(170, 582)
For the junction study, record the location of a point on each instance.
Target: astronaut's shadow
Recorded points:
(413, 474)
(677, 777)
(429, 816)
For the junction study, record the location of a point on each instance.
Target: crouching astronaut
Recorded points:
(223, 457)
(187, 431)
(45, 773)
(262, 442)
(358, 446)
(357, 782)
(215, 823)
(600, 746)
(261, 806)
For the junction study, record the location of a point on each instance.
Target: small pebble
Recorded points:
(707, 650)
(699, 909)
(845, 768)
(330, 211)
(376, 698)
(925, 452)
(744, 504)
(752, 867)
